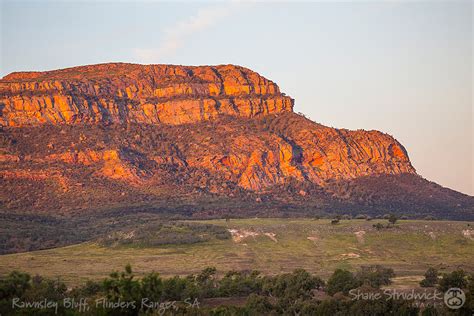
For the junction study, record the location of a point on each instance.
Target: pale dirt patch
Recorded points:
(360, 236)
(468, 233)
(272, 236)
(122, 235)
(239, 235)
(350, 255)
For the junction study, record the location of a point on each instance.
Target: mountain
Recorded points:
(201, 141)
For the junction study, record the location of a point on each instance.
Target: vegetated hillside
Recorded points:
(84, 168)
(193, 141)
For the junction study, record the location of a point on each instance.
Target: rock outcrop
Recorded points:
(129, 93)
(257, 159)
(174, 95)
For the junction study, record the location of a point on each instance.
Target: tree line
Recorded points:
(295, 293)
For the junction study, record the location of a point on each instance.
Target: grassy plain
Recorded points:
(271, 245)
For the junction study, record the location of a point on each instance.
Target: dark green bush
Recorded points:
(375, 276)
(342, 281)
(431, 278)
(457, 278)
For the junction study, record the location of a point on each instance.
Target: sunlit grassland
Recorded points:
(315, 245)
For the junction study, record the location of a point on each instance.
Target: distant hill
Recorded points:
(203, 141)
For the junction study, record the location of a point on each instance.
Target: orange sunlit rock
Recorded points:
(125, 93)
(278, 147)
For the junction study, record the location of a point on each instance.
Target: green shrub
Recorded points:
(457, 278)
(258, 305)
(298, 284)
(431, 278)
(375, 276)
(378, 226)
(14, 285)
(341, 281)
(392, 219)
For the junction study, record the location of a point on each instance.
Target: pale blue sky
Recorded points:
(403, 67)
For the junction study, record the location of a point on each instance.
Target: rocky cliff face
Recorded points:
(127, 93)
(160, 94)
(122, 134)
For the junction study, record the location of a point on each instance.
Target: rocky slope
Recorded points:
(113, 135)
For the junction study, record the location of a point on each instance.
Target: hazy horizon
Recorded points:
(404, 68)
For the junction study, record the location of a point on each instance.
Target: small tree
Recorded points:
(454, 279)
(375, 276)
(206, 275)
(258, 304)
(378, 226)
(122, 286)
(14, 285)
(431, 278)
(341, 281)
(392, 219)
